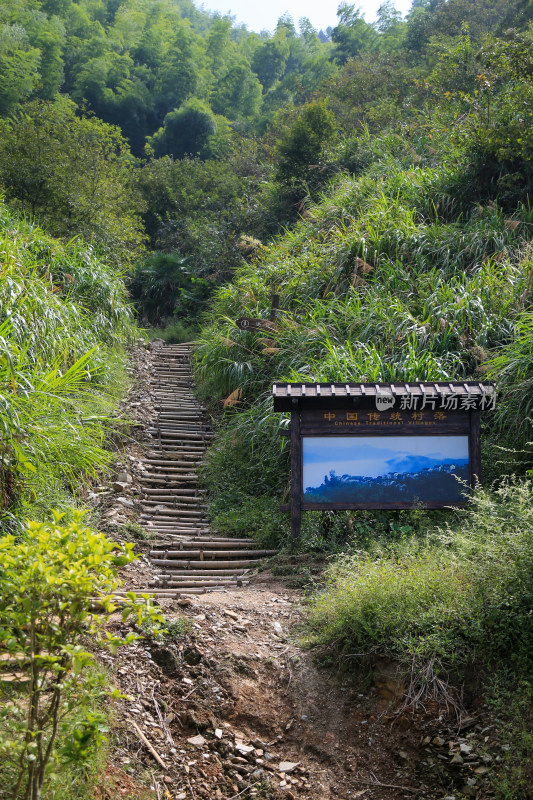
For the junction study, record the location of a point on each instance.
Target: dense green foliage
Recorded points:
(50, 579)
(465, 588)
(156, 68)
(64, 321)
(75, 176)
(196, 215)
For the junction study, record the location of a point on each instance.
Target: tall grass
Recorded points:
(372, 289)
(465, 593)
(64, 318)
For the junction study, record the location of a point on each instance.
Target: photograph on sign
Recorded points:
(392, 469)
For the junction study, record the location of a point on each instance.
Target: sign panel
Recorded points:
(385, 469)
(246, 324)
(368, 421)
(383, 446)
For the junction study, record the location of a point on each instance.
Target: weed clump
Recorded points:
(463, 595)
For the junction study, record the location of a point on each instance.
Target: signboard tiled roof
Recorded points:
(288, 395)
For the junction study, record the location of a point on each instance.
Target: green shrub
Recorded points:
(174, 333)
(392, 604)
(464, 594)
(244, 479)
(300, 151)
(75, 175)
(50, 580)
(168, 630)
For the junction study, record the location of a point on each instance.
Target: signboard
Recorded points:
(246, 324)
(383, 446)
(249, 324)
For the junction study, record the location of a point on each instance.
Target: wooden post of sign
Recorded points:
(274, 307)
(296, 475)
(475, 448)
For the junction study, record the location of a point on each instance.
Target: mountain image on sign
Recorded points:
(385, 469)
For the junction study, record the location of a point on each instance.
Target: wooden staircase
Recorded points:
(190, 557)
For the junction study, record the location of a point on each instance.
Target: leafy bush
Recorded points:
(186, 131)
(51, 578)
(177, 332)
(245, 480)
(300, 151)
(164, 284)
(75, 175)
(463, 594)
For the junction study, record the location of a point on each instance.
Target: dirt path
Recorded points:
(238, 698)
(229, 705)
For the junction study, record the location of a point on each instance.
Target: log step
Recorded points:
(195, 583)
(173, 506)
(198, 564)
(206, 554)
(219, 544)
(222, 573)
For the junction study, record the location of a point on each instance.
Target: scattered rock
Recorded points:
(120, 487)
(243, 748)
(288, 766)
(197, 741)
(125, 502)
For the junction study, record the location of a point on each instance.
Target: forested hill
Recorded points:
(164, 69)
(133, 63)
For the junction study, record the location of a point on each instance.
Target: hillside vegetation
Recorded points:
(384, 280)
(64, 324)
(411, 261)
